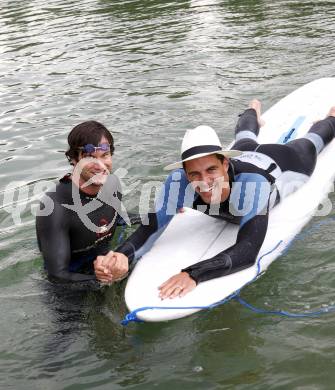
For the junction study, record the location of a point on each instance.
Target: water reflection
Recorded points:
(149, 70)
(143, 9)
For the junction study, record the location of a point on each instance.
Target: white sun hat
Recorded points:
(199, 142)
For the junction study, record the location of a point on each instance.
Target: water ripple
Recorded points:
(149, 69)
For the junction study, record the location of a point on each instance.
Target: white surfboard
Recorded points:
(193, 236)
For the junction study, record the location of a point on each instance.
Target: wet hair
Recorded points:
(220, 157)
(89, 132)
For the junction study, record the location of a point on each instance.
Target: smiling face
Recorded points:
(209, 177)
(91, 170)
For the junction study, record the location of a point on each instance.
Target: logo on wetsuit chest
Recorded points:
(261, 161)
(256, 158)
(103, 228)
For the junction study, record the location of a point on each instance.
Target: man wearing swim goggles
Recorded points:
(93, 167)
(85, 213)
(90, 148)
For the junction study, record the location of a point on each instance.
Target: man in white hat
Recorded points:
(223, 180)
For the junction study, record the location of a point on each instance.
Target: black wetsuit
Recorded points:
(70, 242)
(292, 162)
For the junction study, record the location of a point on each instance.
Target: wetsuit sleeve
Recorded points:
(54, 243)
(251, 197)
(175, 194)
(135, 219)
(138, 238)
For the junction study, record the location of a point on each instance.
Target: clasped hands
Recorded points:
(111, 267)
(114, 267)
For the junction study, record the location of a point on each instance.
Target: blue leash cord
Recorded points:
(132, 316)
(317, 313)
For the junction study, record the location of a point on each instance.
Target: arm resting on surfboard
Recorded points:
(241, 255)
(138, 238)
(171, 199)
(250, 236)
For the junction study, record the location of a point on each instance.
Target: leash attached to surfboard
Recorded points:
(191, 232)
(132, 316)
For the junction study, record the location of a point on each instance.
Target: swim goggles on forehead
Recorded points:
(90, 148)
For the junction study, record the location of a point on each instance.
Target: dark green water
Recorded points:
(150, 69)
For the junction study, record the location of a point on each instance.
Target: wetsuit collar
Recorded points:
(67, 180)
